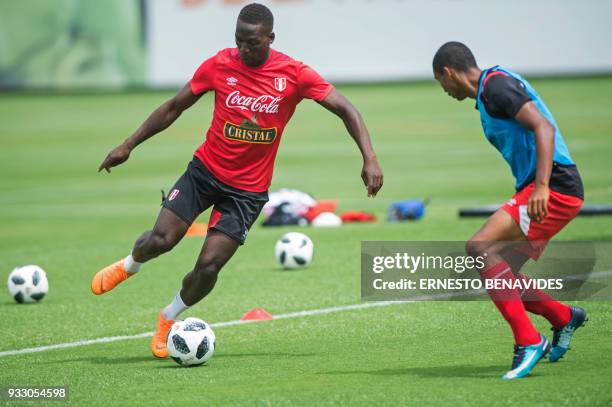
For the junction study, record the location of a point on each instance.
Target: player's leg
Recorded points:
(498, 234)
(167, 232)
(187, 199)
(217, 250)
(230, 221)
(232, 217)
(537, 301)
(565, 320)
(169, 229)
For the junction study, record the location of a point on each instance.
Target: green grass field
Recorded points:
(59, 213)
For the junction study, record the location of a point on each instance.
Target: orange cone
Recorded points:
(257, 314)
(197, 230)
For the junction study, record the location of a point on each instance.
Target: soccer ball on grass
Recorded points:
(28, 284)
(191, 342)
(294, 250)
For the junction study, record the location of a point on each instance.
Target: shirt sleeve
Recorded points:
(504, 96)
(204, 77)
(311, 85)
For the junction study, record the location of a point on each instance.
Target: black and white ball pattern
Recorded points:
(191, 342)
(28, 284)
(294, 250)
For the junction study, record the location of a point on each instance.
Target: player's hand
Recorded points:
(117, 156)
(372, 176)
(537, 208)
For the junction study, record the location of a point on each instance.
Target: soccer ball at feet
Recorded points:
(294, 250)
(190, 342)
(28, 284)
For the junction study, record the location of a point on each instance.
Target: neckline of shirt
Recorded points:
(253, 68)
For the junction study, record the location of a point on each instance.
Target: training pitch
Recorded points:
(59, 213)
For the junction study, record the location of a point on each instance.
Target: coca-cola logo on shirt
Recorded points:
(259, 104)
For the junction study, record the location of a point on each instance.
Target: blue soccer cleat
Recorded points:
(526, 357)
(562, 337)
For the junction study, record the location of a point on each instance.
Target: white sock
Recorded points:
(130, 265)
(175, 308)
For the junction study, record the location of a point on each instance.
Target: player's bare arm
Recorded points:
(159, 120)
(530, 117)
(371, 172)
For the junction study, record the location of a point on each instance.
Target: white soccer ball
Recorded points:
(294, 250)
(190, 342)
(28, 284)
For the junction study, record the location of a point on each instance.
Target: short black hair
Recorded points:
(256, 13)
(454, 55)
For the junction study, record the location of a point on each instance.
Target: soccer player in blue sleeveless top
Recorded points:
(549, 194)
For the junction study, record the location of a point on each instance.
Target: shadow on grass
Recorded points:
(274, 354)
(10, 303)
(106, 360)
(462, 371)
(268, 355)
(163, 363)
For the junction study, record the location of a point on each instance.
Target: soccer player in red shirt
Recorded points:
(256, 92)
(517, 122)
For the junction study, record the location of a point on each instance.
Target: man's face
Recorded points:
(452, 84)
(253, 42)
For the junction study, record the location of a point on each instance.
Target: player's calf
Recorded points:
(154, 243)
(200, 282)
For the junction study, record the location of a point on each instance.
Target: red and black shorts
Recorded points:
(234, 210)
(562, 209)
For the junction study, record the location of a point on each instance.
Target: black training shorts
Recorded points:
(197, 189)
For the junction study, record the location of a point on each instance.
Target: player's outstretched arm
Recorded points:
(159, 120)
(530, 117)
(371, 172)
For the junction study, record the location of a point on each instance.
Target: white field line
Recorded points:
(215, 325)
(279, 316)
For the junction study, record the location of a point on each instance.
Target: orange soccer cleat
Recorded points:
(107, 278)
(158, 344)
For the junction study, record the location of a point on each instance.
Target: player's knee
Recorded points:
(207, 268)
(142, 240)
(475, 248)
(161, 242)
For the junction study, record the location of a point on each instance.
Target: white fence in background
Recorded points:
(374, 40)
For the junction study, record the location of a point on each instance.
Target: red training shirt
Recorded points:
(252, 107)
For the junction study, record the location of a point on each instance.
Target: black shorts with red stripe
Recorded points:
(234, 210)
